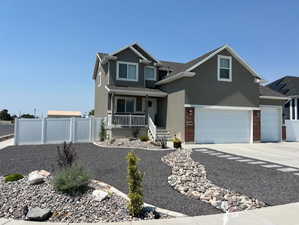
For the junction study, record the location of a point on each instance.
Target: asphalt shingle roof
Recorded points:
(266, 91)
(288, 85)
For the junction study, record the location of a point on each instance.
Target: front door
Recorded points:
(152, 108)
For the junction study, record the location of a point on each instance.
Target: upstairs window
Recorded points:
(127, 71)
(224, 68)
(150, 73)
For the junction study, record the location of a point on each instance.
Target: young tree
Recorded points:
(135, 178)
(4, 115)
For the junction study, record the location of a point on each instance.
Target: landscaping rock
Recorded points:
(99, 195)
(38, 214)
(44, 173)
(190, 178)
(35, 178)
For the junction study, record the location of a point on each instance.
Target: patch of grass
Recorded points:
(13, 177)
(72, 180)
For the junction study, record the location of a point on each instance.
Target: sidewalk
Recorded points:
(275, 215)
(6, 143)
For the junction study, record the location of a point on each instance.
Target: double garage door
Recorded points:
(234, 126)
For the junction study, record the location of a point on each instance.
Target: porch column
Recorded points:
(112, 103)
(296, 102)
(291, 109)
(146, 109)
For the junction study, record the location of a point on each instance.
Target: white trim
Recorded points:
(137, 93)
(175, 77)
(296, 102)
(99, 78)
(222, 107)
(155, 73)
(274, 97)
(238, 57)
(219, 68)
(127, 63)
(147, 52)
(138, 53)
(291, 109)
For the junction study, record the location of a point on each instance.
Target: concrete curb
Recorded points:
(5, 137)
(148, 149)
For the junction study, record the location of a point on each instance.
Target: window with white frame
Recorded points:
(125, 105)
(150, 73)
(127, 71)
(224, 68)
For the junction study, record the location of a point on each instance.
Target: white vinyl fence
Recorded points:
(56, 130)
(292, 130)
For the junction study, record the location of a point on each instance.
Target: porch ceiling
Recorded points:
(134, 91)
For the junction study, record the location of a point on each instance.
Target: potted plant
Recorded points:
(177, 143)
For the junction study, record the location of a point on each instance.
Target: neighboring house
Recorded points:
(289, 86)
(215, 98)
(63, 114)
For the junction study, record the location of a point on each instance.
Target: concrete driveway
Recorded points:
(285, 153)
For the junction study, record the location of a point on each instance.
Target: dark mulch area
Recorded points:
(110, 166)
(6, 129)
(268, 185)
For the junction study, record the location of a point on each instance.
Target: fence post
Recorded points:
(16, 131)
(43, 135)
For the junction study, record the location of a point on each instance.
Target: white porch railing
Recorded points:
(126, 121)
(152, 128)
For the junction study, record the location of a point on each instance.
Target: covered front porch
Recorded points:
(135, 107)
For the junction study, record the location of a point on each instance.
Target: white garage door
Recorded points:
(270, 123)
(223, 126)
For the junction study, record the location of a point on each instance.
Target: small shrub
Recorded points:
(103, 133)
(66, 156)
(13, 177)
(135, 178)
(136, 132)
(72, 180)
(177, 143)
(144, 138)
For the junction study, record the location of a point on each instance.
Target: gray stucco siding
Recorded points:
(205, 89)
(101, 94)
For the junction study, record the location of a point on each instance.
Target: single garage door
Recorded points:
(222, 126)
(270, 124)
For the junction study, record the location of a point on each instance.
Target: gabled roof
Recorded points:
(288, 85)
(189, 66)
(266, 92)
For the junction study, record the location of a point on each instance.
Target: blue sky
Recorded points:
(48, 48)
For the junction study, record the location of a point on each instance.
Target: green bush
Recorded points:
(13, 177)
(144, 138)
(72, 180)
(135, 178)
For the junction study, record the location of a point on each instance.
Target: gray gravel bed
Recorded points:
(6, 129)
(266, 184)
(15, 195)
(110, 166)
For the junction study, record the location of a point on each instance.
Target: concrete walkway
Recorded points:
(6, 143)
(276, 215)
(285, 153)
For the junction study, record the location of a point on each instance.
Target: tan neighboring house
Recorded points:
(215, 98)
(63, 114)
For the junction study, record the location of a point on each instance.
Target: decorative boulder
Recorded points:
(35, 178)
(38, 214)
(99, 195)
(44, 173)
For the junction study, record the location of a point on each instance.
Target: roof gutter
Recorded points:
(176, 77)
(136, 93)
(274, 97)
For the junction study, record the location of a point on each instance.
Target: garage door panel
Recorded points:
(270, 124)
(222, 126)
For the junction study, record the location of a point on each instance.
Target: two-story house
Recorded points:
(215, 98)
